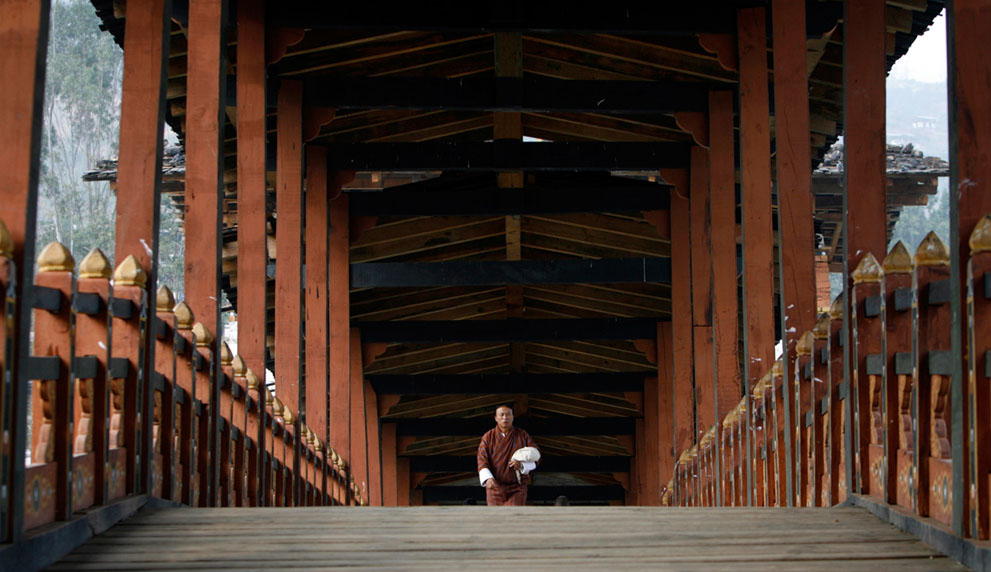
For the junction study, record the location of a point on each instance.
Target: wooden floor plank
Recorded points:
(539, 538)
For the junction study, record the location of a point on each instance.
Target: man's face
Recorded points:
(504, 418)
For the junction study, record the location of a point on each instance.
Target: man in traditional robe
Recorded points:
(496, 468)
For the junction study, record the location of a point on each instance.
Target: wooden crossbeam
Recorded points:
(548, 463)
(485, 197)
(534, 493)
(558, 426)
(512, 383)
(505, 94)
(509, 330)
(506, 155)
(503, 272)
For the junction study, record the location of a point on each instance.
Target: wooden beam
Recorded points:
(506, 155)
(507, 384)
(508, 94)
(548, 463)
(252, 216)
(338, 299)
(488, 272)
(289, 237)
(557, 426)
(317, 380)
(508, 330)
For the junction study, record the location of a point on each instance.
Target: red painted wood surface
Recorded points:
(796, 230)
(127, 338)
(338, 298)
(185, 422)
(358, 459)
(288, 236)
(204, 172)
(701, 230)
(374, 445)
(755, 172)
(722, 182)
(667, 446)
(251, 215)
(165, 364)
(317, 339)
(868, 333)
(979, 339)
(898, 339)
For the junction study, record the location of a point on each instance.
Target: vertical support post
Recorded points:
(374, 445)
(897, 268)
(390, 465)
(315, 306)
(252, 217)
(358, 460)
(185, 374)
(701, 230)
(667, 448)
(722, 169)
(866, 328)
(165, 366)
(865, 221)
(649, 443)
(338, 298)
(970, 172)
(24, 35)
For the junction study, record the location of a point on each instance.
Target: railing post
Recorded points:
(225, 418)
(239, 431)
(820, 411)
(254, 428)
(979, 362)
(839, 391)
(186, 418)
(804, 424)
(867, 367)
(92, 347)
(897, 400)
(165, 404)
(206, 398)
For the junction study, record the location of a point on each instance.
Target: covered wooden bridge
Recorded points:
(602, 213)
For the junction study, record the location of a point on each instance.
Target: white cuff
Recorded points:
(528, 466)
(484, 475)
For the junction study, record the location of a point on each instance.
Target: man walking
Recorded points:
(497, 471)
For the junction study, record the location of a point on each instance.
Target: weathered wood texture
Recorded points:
(442, 537)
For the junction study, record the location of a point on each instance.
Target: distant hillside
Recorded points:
(917, 114)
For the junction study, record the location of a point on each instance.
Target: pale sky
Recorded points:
(926, 59)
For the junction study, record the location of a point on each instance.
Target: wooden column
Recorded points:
(722, 176)
(701, 230)
(390, 465)
(374, 445)
(358, 459)
(289, 259)
(315, 306)
(24, 37)
(755, 168)
(865, 220)
(796, 230)
(970, 159)
(667, 407)
(338, 298)
(252, 256)
(681, 313)
(649, 445)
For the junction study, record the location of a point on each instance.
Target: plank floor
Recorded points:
(517, 538)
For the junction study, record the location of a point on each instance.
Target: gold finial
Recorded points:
(6, 242)
(805, 344)
(278, 409)
(164, 300)
(55, 258)
(253, 382)
(130, 273)
(287, 415)
(707, 438)
(836, 309)
(204, 337)
(898, 260)
(239, 366)
(778, 368)
(311, 437)
(868, 270)
(932, 251)
(95, 265)
(226, 357)
(821, 330)
(318, 445)
(269, 398)
(980, 237)
(183, 316)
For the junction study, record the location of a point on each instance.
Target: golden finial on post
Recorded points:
(805, 344)
(226, 357)
(252, 380)
(277, 408)
(269, 398)
(95, 265)
(183, 316)
(868, 270)
(778, 368)
(130, 273)
(287, 415)
(898, 260)
(980, 237)
(6, 242)
(821, 330)
(836, 308)
(932, 251)
(56, 258)
(240, 368)
(318, 445)
(204, 337)
(164, 300)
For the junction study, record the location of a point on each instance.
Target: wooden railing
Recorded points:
(880, 428)
(218, 437)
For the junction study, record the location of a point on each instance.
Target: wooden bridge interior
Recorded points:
(604, 215)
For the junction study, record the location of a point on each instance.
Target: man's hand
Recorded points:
(516, 465)
(489, 483)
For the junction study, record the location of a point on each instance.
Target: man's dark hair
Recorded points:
(508, 405)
